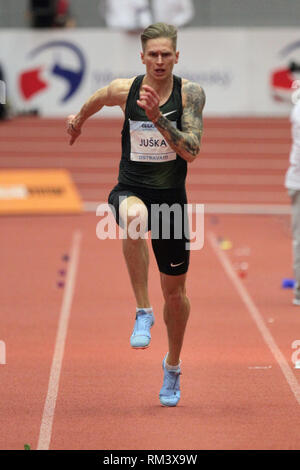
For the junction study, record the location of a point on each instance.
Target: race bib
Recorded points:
(148, 144)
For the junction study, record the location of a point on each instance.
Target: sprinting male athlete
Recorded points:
(161, 136)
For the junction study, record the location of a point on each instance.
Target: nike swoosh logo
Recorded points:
(174, 265)
(171, 112)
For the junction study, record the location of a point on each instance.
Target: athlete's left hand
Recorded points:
(149, 101)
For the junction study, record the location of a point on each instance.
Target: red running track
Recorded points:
(71, 380)
(235, 394)
(242, 160)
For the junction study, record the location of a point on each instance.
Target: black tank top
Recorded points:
(147, 159)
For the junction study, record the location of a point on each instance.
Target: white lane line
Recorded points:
(49, 407)
(257, 317)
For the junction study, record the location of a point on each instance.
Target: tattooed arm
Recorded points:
(187, 141)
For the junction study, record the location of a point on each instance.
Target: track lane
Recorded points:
(233, 147)
(230, 372)
(31, 251)
(109, 393)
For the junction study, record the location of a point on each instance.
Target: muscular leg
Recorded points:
(176, 313)
(135, 249)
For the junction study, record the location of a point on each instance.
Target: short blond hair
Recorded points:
(159, 30)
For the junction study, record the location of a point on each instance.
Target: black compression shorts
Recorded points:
(167, 220)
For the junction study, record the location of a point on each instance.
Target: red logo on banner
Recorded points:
(282, 79)
(31, 83)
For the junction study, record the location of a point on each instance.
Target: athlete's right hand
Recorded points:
(72, 129)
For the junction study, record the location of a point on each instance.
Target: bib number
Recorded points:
(148, 144)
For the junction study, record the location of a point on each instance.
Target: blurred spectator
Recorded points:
(50, 13)
(129, 15)
(134, 15)
(292, 183)
(42, 13)
(63, 17)
(176, 12)
(3, 105)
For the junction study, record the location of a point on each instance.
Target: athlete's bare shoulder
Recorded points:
(117, 91)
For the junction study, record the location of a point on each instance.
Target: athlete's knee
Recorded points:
(135, 220)
(177, 302)
(174, 292)
(175, 299)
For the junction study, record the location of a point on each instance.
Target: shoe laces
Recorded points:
(172, 379)
(143, 321)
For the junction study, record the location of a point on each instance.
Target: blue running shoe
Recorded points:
(169, 394)
(141, 337)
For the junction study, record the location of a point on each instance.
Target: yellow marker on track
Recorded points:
(225, 245)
